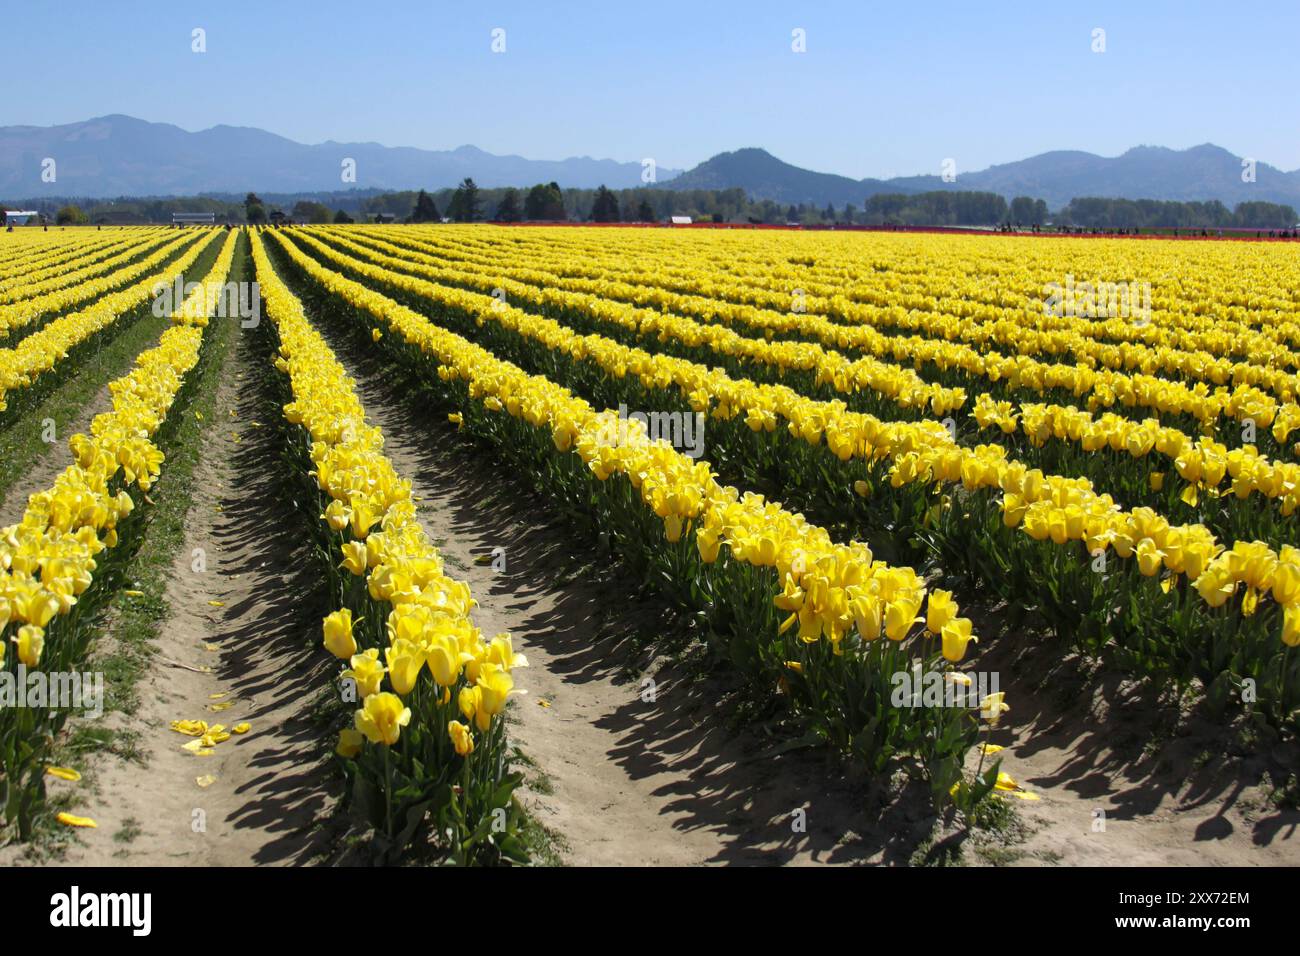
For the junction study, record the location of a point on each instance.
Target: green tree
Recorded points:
(341, 218)
(645, 212)
(426, 210)
(545, 202)
(316, 213)
(605, 208)
(254, 209)
(465, 203)
(508, 209)
(1025, 211)
(71, 216)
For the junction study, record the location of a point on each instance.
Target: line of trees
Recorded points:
(941, 208)
(468, 202)
(1100, 213)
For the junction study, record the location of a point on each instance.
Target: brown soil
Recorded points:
(258, 650)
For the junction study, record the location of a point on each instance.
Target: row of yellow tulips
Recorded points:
(403, 626)
(1227, 301)
(42, 351)
(49, 559)
(901, 385)
(738, 556)
(76, 271)
(39, 264)
(1103, 387)
(24, 248)
(1049, 507)
(1202, 463)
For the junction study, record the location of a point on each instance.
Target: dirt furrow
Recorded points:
(238, 646)
(623, 776)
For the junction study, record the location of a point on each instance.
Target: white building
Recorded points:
(19, 217)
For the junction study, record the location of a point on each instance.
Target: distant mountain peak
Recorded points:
(1205, 172)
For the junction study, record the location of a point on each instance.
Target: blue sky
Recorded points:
(884, 88)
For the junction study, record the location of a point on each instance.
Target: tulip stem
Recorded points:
(388, 792)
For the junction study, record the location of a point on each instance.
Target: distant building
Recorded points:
(382, 217)
(194, 218)
(681, 220)
(19, 217)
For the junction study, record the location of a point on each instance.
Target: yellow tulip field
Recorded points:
(843, 457)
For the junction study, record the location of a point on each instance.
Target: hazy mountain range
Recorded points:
(122, 156)
(1144, 172)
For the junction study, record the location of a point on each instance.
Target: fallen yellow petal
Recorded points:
(71, 820)
(216, 604)
(224, 693)
(191, 728)
(206, 780)
(241, 728)
(541, 702)
(63, 773)
(211, 647)
(218, 708)
(134, 593)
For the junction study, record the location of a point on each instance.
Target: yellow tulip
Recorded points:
(494, 687)
(1150, 558)
(404, 664)
(1291, 625)
(993, 706)
(956, 635)
(31, 642)
(337, 628)
(1286, 584)
(354, 557)
(468, 701)
(900, 614)
(867, 615)
(940, 609)
(349, 744)
(461, 737)
(382, 718)
(445, 659)
(336, 515)
(366, 671)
